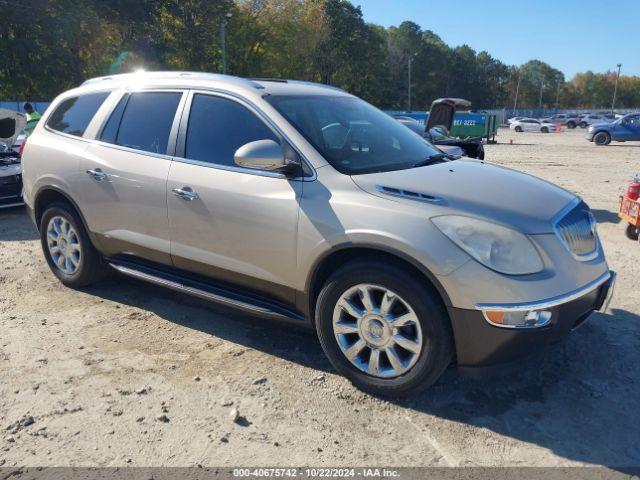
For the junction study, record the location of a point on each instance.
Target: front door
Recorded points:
(629, 129)
(229, 223)
(124, 176)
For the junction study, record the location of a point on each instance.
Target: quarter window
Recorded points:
(218, 127)
(146, 121)
(74, 114)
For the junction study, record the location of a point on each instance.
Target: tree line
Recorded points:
(48, 46)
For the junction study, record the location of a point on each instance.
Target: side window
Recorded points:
(110, 130)
(147, 120)
(218, 127)
(74, 114)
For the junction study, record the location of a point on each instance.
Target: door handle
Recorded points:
(97, 174)
(185, 193)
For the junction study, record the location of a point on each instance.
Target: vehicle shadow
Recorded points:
(15, 225)
(605, 216)
(578, 399)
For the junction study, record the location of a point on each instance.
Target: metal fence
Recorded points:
(17, 105)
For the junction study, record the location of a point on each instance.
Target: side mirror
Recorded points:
(263, 155)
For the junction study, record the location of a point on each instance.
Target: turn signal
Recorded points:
(524, 319)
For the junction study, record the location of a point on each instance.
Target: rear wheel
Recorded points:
(583, 124)
(518, 129)
(632, 232)
(571, 125)
(602, 138)
(544, 129)
(67, 247)
(386, 332)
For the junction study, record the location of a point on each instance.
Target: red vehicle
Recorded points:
(630, 208)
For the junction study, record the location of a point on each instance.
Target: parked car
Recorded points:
(625, 129)
(568, 119)
(11, 123)
(417, 127)
(591, 119)
(514, 119)
(436, 129)
(532, 125)
(300, 202)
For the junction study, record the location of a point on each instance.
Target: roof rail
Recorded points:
(173, 74)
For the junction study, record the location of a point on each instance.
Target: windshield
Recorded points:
(352, 135)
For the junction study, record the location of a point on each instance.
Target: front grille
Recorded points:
(577, 231)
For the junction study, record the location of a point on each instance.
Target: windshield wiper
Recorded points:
(435, 158)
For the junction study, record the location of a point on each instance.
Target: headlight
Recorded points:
(590, 129)
(499, 248)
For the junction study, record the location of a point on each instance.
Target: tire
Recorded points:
(518, 129)
(632, 232)
(431, 327)
(602, 138)
(544, 130)
(74, 245)
(583, 124)
(571, 125)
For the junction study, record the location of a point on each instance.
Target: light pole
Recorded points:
(410, 61)
(515, 102)
(223, 41)
(557, 92)
(540, 100)
(615, 89)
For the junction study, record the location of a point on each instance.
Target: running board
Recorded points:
(250, 304)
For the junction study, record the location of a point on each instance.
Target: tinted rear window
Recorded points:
(74, 114)
(147, 120)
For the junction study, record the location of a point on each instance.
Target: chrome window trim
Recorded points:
(266, 119)
(549, 302)
(189, 90)
(554, 224)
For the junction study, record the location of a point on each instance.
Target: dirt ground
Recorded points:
(131, 374)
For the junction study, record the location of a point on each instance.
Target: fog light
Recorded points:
(521, 319)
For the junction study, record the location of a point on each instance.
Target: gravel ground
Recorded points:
(130, 374)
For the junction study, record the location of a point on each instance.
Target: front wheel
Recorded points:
(518, 129)
(544, 129)
(67, 247)
(583, 124)
(386, 332)
(571, 125)
(602, 138)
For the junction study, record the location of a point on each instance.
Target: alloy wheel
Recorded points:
(377, 330)
(64, 245)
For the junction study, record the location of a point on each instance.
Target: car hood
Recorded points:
(11, 124)
(474, 188)
(442, 112)
(601, 124)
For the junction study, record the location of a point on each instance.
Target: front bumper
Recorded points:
(10, 190)
(482, 346)
(589, 136)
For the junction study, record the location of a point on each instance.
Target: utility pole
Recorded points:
(540, 100)
(223, 41)
(557, 93)
(409, 84)
(515, 102)
(615, 90)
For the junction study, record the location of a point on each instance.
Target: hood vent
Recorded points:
(398, 192)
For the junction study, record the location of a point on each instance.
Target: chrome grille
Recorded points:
(577, 231)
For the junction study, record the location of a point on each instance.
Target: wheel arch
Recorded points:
(49, 194)
(337, 256)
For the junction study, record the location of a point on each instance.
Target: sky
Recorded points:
(570, 35)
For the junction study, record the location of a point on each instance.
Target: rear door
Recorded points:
(124, 175)
(235, 224)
